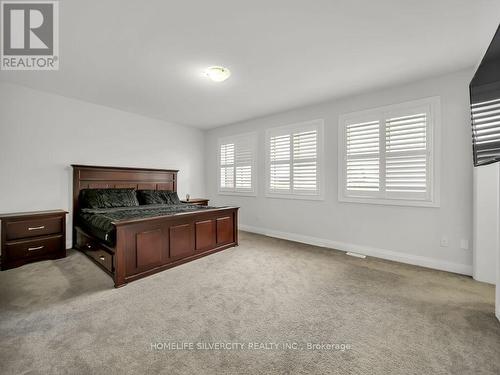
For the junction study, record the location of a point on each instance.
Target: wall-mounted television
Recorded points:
(485, 106)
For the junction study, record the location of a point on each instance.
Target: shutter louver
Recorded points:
(406, 154)
(362, 156)
(486, 131)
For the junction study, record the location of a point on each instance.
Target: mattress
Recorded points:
(98, 221)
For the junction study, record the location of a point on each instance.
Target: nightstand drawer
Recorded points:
(34, 248)
(34, 228)
(102, 257)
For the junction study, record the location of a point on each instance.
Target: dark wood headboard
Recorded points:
(99, 177)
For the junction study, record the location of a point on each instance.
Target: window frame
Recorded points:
(318, 125)
(432, 107)
(234, 139)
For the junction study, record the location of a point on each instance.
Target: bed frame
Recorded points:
(149, 245)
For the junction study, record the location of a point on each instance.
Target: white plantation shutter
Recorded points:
(406, 156)
(227, 166)
(305, 155)
(486, 131)
(244, 164)
(363, 153)
(386, 154)
(280, 163)
(294, 159)
(237, 164)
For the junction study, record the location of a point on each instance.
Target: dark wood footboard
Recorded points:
(144, 247)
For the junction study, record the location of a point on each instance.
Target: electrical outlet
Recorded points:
(444, 241)
(464, 244)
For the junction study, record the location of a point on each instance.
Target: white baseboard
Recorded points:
(482, 279)
(416, 260)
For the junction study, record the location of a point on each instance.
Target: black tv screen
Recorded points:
(485, 106)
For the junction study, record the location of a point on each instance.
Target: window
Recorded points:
(294, 161)
(389, 155)
(237, 157)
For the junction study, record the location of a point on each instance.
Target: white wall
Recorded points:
(42, 134)
(408, 234)
(486, 223)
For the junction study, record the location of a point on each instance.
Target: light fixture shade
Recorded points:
(217, 73)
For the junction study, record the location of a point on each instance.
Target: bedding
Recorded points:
(108, 198)
(157, 197)
(98, 221)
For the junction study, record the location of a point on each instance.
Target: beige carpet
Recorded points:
(380, 317)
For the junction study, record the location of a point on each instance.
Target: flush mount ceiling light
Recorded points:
(217, 73)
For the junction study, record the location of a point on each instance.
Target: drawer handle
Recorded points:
(35, 248)
(37, 228)
(102, 258)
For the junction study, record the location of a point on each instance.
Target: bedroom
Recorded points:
(272, 140)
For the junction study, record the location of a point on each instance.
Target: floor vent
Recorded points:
(356, 255)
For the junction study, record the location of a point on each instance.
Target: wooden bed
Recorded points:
(149, 245)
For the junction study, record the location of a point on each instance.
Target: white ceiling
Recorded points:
(146, 56)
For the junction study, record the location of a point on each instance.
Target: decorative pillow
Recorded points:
(174, 198)
(108, 198)
(157, 197)
(151, 197)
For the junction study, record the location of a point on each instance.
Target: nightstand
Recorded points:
(32, 236)
(197, 201)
